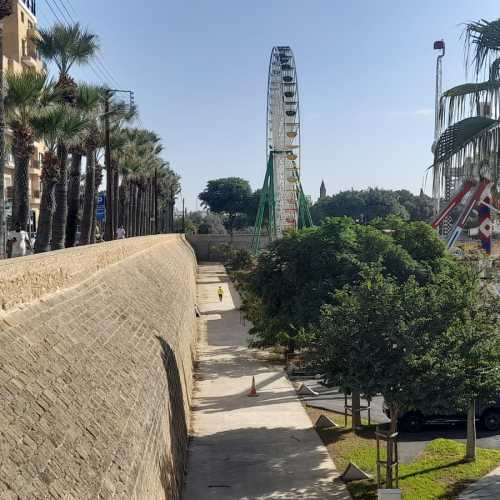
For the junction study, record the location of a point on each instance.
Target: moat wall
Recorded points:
(96, 356)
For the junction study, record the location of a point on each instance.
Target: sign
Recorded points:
(8, 209)
(101, 207)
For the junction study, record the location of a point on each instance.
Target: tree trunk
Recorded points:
(20, 206)
(138, 211)
(88, 200)
(356, 411)
(61, 212)
(391, 447)
(93, 231)
(116, 198)
(471, 432)
(44, 233)
(3, 234)
(73, 199)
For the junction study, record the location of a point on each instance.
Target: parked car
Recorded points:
(487, 414)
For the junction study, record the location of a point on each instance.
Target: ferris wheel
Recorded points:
(282, 192)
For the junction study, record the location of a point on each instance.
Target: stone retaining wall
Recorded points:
(96, 350)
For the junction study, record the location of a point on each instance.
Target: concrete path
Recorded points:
(248, 448)
(487, 488)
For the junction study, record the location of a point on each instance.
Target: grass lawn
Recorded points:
(439, 472)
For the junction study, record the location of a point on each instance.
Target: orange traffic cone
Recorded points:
(253, 390)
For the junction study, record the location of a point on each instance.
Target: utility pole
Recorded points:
(108, 232)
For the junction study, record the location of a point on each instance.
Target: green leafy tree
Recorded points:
(428, 346)
(370, 204)
(230, 197)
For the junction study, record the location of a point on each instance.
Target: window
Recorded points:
(22, 17)
(25, 52)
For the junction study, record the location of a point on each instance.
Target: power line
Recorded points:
(100, 74)
(98, 60)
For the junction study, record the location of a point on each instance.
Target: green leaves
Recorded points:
(67, 45)
(460, 134)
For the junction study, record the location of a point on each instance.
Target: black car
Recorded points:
(487, 414)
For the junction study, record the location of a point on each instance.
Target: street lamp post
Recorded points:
(438, 45)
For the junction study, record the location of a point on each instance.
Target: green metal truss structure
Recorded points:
(268, 200)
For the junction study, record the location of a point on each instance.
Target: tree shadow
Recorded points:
(261, 463)
(173, 464)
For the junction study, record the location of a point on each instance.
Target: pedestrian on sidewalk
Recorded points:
(121, 233)
(18, 241)
(220, 293)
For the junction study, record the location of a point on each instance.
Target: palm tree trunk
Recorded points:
(61, 212)
(88, 200)
(73, 199)
(94, 218)
(20, 205)
(116, 198)
(44, 233)
(138, 212)
(129, 224)
(3, 231)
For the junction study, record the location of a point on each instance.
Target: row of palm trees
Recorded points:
(69, 118)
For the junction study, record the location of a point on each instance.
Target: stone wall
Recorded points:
(207, 246)
(96, 351)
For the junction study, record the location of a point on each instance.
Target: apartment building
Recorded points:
(20, 54)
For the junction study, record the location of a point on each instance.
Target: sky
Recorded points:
(199, 68)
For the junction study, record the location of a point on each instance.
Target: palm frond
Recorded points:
(483, 39)
(67, 45)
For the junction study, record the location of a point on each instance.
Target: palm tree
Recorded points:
(28, 93)
(56, 124)
(470, 113)
(65, 46)
(5, 10)
(89, 100)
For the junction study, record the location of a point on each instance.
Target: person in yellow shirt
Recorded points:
(220, 293)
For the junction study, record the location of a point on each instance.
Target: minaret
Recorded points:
(322, 190)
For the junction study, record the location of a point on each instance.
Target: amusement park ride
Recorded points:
(466, 157)
(282, 197)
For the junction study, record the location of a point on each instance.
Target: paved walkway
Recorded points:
(248, 448)
(487, 488)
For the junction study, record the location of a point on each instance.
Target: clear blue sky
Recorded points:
(366, 75)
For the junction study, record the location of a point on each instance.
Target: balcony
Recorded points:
(35, 167)
(30, 60)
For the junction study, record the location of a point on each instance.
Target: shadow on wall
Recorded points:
(172, 465)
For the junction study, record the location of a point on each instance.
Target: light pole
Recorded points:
(438, 45)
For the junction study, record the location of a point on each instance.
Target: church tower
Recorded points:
(322, 190)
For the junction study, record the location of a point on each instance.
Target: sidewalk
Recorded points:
(248, 448)
(487, 488)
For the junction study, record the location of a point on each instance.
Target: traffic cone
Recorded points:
(253, 390)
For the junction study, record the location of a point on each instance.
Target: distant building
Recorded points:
(20, 54)
(322, 190)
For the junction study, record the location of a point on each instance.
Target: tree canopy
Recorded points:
(231, 197)
(373, 203)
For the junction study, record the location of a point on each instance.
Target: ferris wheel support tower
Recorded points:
(282, 194)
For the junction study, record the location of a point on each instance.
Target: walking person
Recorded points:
(121, 233)
(220, 293)
(18, 241)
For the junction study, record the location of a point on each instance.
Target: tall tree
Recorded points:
(28, 93)
(65, 46)
(57, 124)
(5, 11)
(89, 101)
(230, 197)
